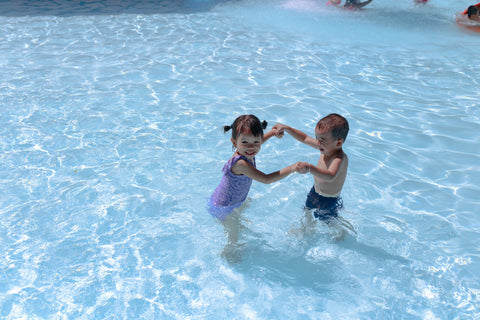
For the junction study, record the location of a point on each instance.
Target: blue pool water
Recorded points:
(111, 143)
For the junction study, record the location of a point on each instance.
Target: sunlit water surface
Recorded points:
(111, 144)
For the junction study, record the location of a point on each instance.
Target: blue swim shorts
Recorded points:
(325, 208)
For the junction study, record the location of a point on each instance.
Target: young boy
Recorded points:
(473, 12)
(331, 170)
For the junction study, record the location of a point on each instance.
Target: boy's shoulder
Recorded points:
(343, 157)
(341, 153)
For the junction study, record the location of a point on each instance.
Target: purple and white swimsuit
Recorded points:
(232, 190)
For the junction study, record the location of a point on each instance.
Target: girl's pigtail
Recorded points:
(226, 128)
(264, 124)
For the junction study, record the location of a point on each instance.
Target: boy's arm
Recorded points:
(297, 134)
(329, 174)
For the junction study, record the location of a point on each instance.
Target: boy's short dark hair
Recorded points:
(336, 124)
(472, 10)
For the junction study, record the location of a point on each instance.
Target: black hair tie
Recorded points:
(264, 124)
(226, 128)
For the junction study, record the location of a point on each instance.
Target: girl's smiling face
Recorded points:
(247, 144)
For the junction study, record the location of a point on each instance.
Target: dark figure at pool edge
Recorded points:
(350, 4)
(473, 12)
(354, 4)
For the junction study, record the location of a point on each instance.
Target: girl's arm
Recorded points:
(268, 135)
(244, 167)
(297, 134)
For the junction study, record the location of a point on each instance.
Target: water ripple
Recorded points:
(111, 126)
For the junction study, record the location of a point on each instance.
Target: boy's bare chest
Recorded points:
(324, 162)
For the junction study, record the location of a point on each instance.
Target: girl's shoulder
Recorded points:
(234, 160)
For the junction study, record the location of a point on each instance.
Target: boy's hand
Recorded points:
(302, 167)
(279, 130)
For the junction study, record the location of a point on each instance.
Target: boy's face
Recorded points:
(326, 141)
(475, 16)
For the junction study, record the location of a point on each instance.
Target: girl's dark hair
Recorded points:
(246, 123)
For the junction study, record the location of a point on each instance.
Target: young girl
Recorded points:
(240, 170)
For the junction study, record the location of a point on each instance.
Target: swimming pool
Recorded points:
(111, 143)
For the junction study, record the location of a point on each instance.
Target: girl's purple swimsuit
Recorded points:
(231, 192)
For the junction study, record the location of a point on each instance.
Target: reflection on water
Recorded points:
(65, 8)
(233, 226)
(111, 143)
